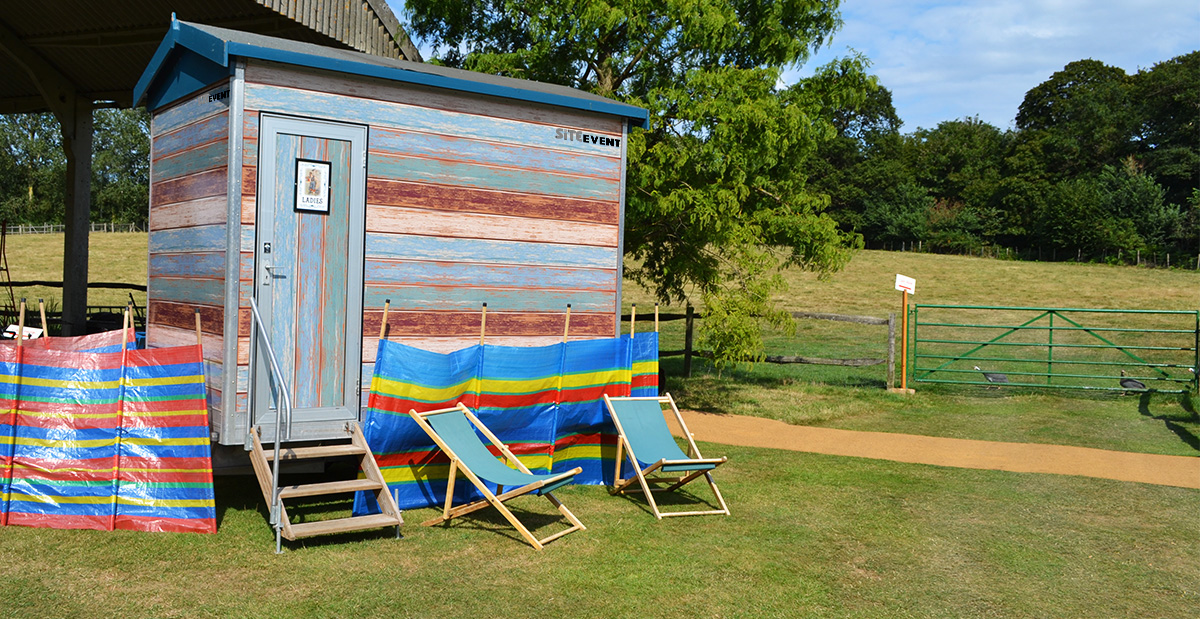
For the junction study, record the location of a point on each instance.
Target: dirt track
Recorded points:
(1182, 471)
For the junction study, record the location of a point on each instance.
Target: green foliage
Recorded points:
(721, 171)
(121, 166)
(33, 168)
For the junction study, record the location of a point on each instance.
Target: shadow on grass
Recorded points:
(1172, 422)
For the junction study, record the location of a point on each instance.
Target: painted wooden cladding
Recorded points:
(382, 90)
(387, 192)
(188, 212)
(376, 113)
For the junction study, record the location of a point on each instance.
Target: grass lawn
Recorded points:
(810, 535)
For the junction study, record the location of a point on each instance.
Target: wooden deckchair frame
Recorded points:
(650, 475)
(498, 498)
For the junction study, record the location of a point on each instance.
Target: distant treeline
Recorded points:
(33, 168)
(1100, 165)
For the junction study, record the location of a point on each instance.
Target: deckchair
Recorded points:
(644, 436)
(453, 429)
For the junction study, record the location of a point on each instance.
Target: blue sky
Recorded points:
(951, 59)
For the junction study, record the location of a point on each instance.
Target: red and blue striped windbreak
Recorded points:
(544, 402)
(115, 440)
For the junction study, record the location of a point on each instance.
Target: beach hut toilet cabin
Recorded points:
(321, 182)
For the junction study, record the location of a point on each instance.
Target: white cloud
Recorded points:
(947, 60)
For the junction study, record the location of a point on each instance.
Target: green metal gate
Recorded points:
(1059, 348)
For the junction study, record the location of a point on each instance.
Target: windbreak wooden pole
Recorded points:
(656, 318)
(387, 303)
(42, 311)
(632, 321)
(482, 324)
(567, 324)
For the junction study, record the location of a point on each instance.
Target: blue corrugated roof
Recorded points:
(219, 45)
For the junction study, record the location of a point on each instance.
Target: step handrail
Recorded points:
(285, 402)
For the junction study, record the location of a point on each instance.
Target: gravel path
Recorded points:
(1182, 471)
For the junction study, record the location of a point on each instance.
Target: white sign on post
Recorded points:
(906, 284)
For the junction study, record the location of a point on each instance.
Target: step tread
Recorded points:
(343, 525)
(328, 487)
(323, 451)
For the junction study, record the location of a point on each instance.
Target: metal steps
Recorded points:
(371, 481)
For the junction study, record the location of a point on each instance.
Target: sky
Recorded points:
(959, 58)
(951, 59)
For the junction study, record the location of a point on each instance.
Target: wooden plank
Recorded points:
(413, 247)
(335, 266)
(498, 299)
(182, 316)
(249, 181)
(209, 265)
(308, 286)
(197, 238)
(187, 290)
(387, 90)
(282, 309)
(343, 525)
(161, 336)
(307, 453)
(397, 220)
(465, 324)
(191, 161)
(193, 109)
(329, 487)
(249, 210)
(384, 192)
(427, 273)
(466, 174)
(202, 212)
(190, 136)
(395, 142)
(451, 344)
(195, 186)
(384, 113)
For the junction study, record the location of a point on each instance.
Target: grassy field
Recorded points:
(112, 257)
(810, 535)
(854, 398)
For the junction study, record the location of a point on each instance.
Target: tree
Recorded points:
(1084, 113)
(121, 166)
(34, 194)
(1167, 97)
(717, 177)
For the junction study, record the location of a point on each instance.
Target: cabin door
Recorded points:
(309, 269)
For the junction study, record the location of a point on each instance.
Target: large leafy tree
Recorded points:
(718, 177)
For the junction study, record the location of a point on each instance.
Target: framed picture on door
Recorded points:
(312, 186)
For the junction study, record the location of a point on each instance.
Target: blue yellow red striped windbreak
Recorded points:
(545, 403)
(105, 440)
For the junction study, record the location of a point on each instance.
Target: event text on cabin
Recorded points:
(572, 135)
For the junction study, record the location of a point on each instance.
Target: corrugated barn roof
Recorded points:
(101, 47)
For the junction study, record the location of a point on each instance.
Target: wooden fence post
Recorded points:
(687, 343)
(891, 357)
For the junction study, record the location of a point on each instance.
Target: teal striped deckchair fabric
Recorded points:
(649, 436)
(458, 432)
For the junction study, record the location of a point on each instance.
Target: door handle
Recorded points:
(271, 272)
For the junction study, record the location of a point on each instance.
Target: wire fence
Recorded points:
(60, 228)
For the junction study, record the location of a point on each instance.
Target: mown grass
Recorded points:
(810, 535)
(855, 398)
(112, 257)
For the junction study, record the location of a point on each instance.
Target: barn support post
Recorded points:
(77, 142)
